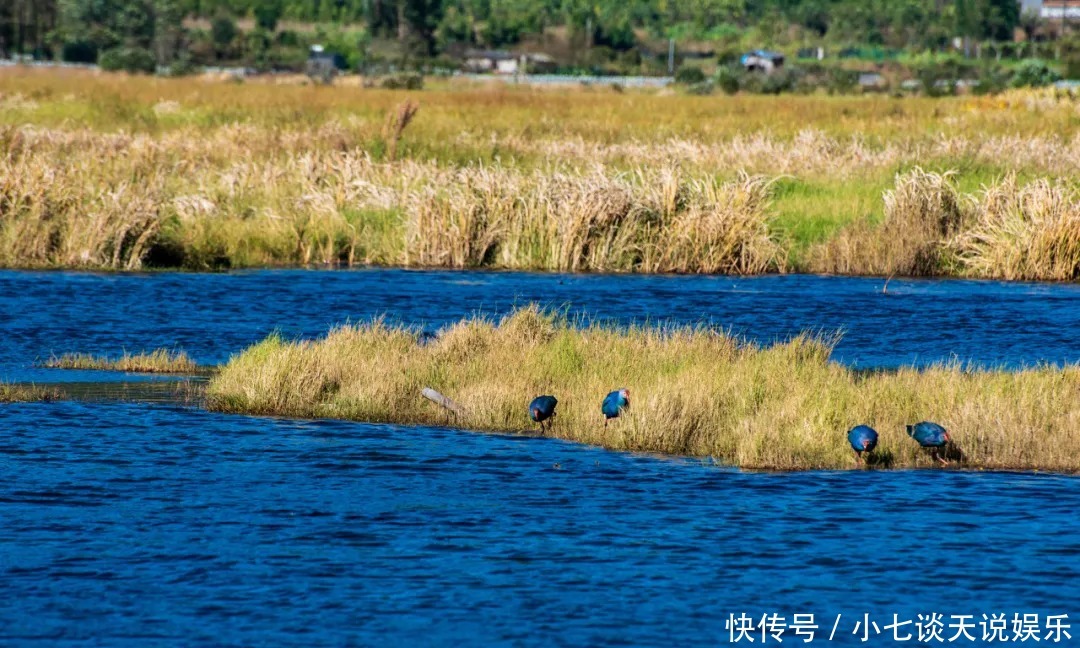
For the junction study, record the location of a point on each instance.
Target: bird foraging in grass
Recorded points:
(932, 437)
(862, 438)
(541, 409)
(614, 403)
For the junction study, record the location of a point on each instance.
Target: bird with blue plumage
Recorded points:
(862, 438)
(541, 409)
(614, 403)
(932, 437)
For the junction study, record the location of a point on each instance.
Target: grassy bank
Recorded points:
(693, 392)
(160, 361)
(105, 171)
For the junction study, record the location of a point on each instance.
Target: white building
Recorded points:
(1052, 9)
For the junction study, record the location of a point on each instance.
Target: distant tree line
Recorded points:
(26, 25)
(140, 34)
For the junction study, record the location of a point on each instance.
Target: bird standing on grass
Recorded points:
(862, 438)
(614, 403)
(931, 436)
(541, 409)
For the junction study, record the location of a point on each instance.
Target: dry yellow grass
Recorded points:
(110, 101)
(693, 392)
(922, 212)
(1023, 232)
(1008, 230)
(812, 152)
(158, 361)
(651, 221)
(95, 209)
(109, 171)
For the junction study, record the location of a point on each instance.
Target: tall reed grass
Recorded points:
(1023, 232)
(106, 171)
(160, 206)
(651, 221)
(693, 391)
(812, 152)
(922, 212)
(1008, 230)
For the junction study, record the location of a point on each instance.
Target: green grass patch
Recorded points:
(12, 393)
(810, 212)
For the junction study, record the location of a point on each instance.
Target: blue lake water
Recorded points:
(212, 316)
(154, 524)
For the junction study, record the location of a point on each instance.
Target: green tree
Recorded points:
(142, 29)
(168, 39)
(223, 30)
(25, 26)
(268, 13)
(981, 19)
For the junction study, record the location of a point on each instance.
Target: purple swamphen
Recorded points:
(931, 436)
(614, 403)
(541, 409)
(862, 438)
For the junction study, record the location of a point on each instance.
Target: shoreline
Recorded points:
(106, 271)
(190, 391)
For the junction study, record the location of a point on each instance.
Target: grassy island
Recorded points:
(162, 361)
(694, 392)
(14, 393)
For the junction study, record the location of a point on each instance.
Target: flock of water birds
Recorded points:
(862, 438)
(930, 436)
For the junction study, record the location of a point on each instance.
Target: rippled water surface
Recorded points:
(157, 524)
(211, 316)
(148, 523)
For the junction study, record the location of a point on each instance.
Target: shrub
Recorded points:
(933, 84)
(1072, 67)
(404, 81)
(1034, 73)
(182, 66)
(729, 79)
(128, 59)
(992, 81)
(619, 37)
(267, 15)
(782, 80)
(223, 30)
(689, 75)
(841, 81)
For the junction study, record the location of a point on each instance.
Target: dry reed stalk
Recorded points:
(396, 123)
